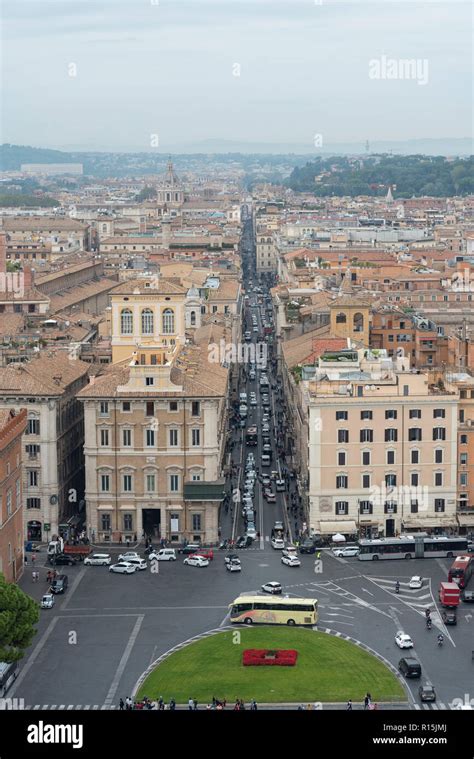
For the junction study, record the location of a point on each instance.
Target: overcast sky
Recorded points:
(166, 67)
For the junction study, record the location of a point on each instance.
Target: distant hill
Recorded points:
(12, 156)
(415, 175)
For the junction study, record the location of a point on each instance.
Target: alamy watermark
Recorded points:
(415, 69)
(401, 496)
(12, 282)
(238, 353)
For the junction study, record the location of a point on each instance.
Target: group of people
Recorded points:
(145, 704)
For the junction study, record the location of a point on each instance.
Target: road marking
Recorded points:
(368, 591)
(337, 622)
(34, 655)
(73, 588)
(123, 661)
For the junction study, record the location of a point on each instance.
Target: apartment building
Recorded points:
(382, 447)
(464, 384)
(12, 426)
(155, 424)
(53, 466)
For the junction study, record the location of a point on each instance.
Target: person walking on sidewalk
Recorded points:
(121, 704)
(349, 706)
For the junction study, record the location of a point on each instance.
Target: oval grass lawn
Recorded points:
(327, 669)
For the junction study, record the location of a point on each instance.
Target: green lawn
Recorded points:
(327, 669)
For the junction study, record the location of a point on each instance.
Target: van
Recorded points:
(59, 584)
(243, 397)
(409, 667)
(164, 554)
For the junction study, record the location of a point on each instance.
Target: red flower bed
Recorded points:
(254, 657)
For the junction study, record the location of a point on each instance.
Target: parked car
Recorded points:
(59, 584)
(189, 549)
(291, 561)
(346, 552)
(403, 640)
(196, 561)
(47, 602)
(98, 559)
(468, 596)
(129, 555)
(427, 692)
(409, 667)
(251, 531)
(234, 566)
(122, 568)
(416, 582)
(272, 587)
(449, 617)
(62, 559)
(277, 543)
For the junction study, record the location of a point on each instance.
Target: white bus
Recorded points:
(417, 546)
(274, 611)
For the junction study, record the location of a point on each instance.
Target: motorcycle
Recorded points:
(428, 623)
(397, 587)
(440, 640)
(224, 545)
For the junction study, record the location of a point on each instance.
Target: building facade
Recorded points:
(12, 426)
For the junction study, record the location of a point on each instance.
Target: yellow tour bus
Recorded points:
(273, 611)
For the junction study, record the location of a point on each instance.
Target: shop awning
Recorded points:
(345, 528)
(422, 523)
(204, 491)
(466, 519)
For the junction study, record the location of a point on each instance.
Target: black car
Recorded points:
(307, 546)
(427, 692)
(59, 584)
(244, 542)
(468, 596)
(449, 617)
(62, 559)
(190, 548)
(410, 667)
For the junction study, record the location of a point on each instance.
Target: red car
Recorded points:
(269, 496)
(208, 553)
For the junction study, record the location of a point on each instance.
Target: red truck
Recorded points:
(449, 594)
(57, 547)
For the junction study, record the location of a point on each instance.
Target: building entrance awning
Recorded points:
(466, 520)
(345, 528)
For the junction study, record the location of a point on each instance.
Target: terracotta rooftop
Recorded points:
(47, 375)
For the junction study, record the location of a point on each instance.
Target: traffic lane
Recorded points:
(77, 660)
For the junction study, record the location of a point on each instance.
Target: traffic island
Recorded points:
(327, 670)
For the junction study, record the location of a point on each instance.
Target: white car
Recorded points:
(123, 568)
(403, 640)
(346, 551)
(278, 543)
(164, 554)
(233, 566)
(129, 555)
(291, 561)
(47, 602)
(98, 559)
(415, 583)
(196, 561)
(139, 564)
(290, 551)
(272, 587)
(253, 401)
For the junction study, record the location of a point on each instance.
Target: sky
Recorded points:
(138, 74)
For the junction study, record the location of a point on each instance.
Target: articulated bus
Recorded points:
(274, 611)
(251, 436)
(461, 570)
(417, 546)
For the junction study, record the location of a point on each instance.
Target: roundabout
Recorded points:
(328, 670)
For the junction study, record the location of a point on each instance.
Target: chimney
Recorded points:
(27, 278)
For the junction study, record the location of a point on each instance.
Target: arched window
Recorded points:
(126, 322)
(147, 321)
(168, 321)
(358, 322)
(341, 318)
(193, 318)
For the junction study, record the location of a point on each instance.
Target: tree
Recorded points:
(18, 615)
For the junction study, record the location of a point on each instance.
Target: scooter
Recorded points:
(440, 640)
(397, 587)
(428, 623)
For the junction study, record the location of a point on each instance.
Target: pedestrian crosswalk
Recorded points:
(71, 707)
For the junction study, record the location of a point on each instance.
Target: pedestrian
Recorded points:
(349, 706)
(253, 705)
(33, 559)
(366, 701)
(318, 555)
(191, 704)
(33, 576)
(26, 559)
(128, 543)
(128, 703)
(121, 704)
(160, 703)
(195, 705)
(172, 704)
(120, 540)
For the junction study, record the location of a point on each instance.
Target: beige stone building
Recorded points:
(382, 447)
(155, 424)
